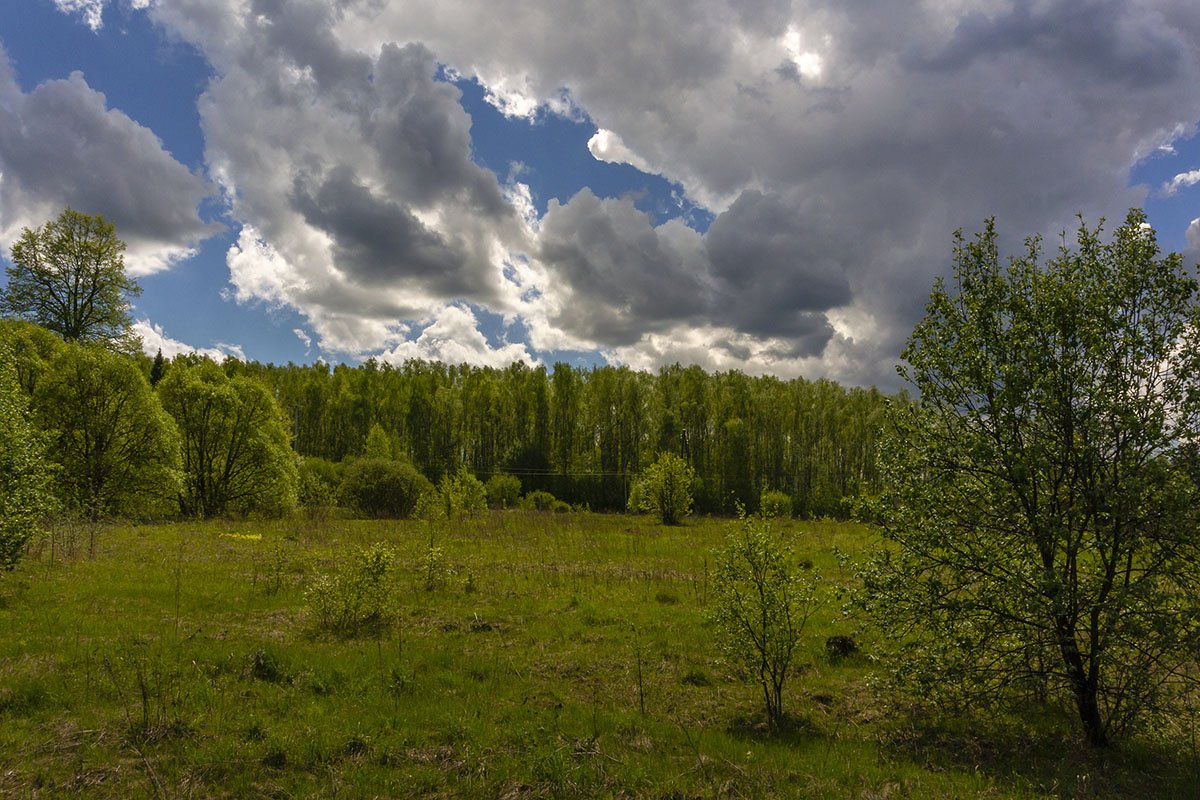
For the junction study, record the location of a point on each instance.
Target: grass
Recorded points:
(557, 655)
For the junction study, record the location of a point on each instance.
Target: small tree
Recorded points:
(760, 607)
(117, 450)
(237, 453)
(665, 489)
(24, 472)
(774, 503)
(69, 276)
(1037, 490)
(458, 494)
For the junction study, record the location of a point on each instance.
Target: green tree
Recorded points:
(378, 444)
(1045, 526)
(24, 472)
(157, 369)
(665, 489)
(69, 276)
(503, 490)
(761, 605)
(117, 450)
(237, 455)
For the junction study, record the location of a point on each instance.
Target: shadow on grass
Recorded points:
(1051, 761)
(792, 729)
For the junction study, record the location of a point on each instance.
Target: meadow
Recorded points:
(536, 655)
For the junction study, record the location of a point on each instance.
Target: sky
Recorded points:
(763, 185)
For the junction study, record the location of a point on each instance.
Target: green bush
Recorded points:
(760, 606)
(775, 504)
(503, 490)
(664, 489)
(319, 481)
(355, 598)
(24, 471)
(381, 489)
(539, 501)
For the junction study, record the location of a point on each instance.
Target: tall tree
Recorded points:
(117, 450)
(1045, 525)
(236, 449)
(69, 276)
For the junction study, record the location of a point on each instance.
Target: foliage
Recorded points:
(1044, 525)
(318, 482)
(538, 501)
(357, 597)
(775, 504)
(503, 490)
(157, 368)
(117, 450)
(378, 445)
(760, 607)
(25, 495)
(31, 348)
(457, 495)
(236, 451)
(665, 489)
(373, 487)
(69, 276)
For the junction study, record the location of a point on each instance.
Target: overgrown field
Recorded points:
(536, 655)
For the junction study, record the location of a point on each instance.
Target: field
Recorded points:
(551, 655)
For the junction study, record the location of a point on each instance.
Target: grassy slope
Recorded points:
(181, 661)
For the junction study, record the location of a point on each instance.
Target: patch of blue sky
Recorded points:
(550, 154)
(1171, 208)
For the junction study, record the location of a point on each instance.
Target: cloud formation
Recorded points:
(154, 338)
(60, 145)
(838, 145)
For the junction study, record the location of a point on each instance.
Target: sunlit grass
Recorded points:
(182, 660)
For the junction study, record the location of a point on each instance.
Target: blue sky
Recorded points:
(767, 186)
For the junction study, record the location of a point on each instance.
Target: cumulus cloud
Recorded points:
(61, 146)
(1181, 181)
(154, 339)
(90, 12)
(454, 338)
(839, 145)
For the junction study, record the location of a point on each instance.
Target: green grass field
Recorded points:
(557, 655)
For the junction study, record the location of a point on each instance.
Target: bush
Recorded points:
(355, 598)
(760, 607)
(24, 472)
(775, 504)
(503, 490)
(381, 489)
(319, 481)
(456, 495)
(539, 500)
(665, 489)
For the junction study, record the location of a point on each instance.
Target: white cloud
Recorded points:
(89, 11)
(1193, 237)
(155, 339)
(1181, 181)
(607, 146)
(454, 338)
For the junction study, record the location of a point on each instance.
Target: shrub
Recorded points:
(760, 607)
(775, 504)
(319, 481)
(355, 598)
(381, 489)
(24, 472)
(539, 500)
(503, 490)
(665, 489)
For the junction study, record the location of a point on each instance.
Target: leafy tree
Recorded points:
(24, 472)
(31, 349)
(665, 489)
(457, 494)
(382, 488)
(237, 455)
(318, 482)
(378, 444)
(761, 605)
(117, 450)
(69, 276)
(773, 503)
(1044, 523)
